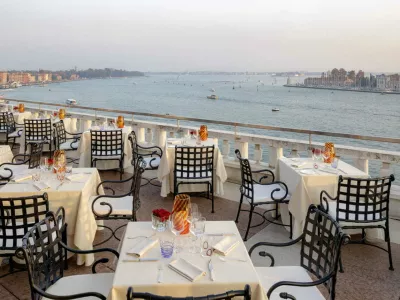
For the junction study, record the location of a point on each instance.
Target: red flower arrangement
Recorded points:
(55, 114)
(192, 132)
(162, 214)
(50, 161)
(15, 108)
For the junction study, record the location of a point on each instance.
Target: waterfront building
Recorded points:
(381, 82)
(44, 77)
(74, 77)
(3, 77)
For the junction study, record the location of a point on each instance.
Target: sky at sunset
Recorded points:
(184, 35)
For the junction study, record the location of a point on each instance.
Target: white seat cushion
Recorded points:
(155, 162)
(67, 145)
(361, 217)
(206, 174)
(121, 206)
(16, 133)
(112, 155)
(100, 283)
(271, 275)
(262, 193)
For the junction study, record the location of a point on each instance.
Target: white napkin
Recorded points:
(297, 165)
(186, 269)
(41, 186)
(174, 141)
(226, 245)
(142, 247)
(74, 177)
(21, 177)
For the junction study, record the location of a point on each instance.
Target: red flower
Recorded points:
(50, 161)
(192, 132)
(162, 214)
(15, 107)
(55, 114)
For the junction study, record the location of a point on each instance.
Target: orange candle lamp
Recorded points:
(180, 212)
(61, 113)
(329, 150)
(21, 107)
(120, 122)
(203, 133)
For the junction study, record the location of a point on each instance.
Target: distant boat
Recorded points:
(383, 93)
(275, 109)
(214, 97)
(212, 90)
(71, 102)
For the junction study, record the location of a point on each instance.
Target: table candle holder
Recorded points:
(120, 122)
(61, 114)
(21, 107)
(203, 133)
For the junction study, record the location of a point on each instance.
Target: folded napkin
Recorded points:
(186, 269)
(174, 141)
(41, 186)
(226, 245)
(21, 177)
(74, 177)
(142, 247)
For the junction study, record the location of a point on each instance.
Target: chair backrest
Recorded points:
(137, 182)
(134, 145)
(3, 121)
(247, 187)
(363, 200)
(7, 122)
(44, 256)
(38, 130)
(106, 142)
(60, 134)
(17, 216)
(35, 155)
(320, 247)
(243, 294)
(194, 162)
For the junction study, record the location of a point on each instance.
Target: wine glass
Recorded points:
(193, 212)
(317, 154)
(197, 228)
(326, 154)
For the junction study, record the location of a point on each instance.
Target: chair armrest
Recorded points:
(6, 169)
(111, 181)
(158, 149)
(74, 134)
(323, 199)
(67, 297)
(20, 155)
(107, 204)
(265, 176)
(299, 284)
(264, 254)
(281, 183)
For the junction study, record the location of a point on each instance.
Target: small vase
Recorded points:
(203, 133)
(61, 114)
(157, 224)
(21, 107)
(120, 122)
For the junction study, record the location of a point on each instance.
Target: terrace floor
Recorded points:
(366, 273)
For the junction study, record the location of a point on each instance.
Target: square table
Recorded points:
(73, 196)
(84, 149)
(165, 172)
(142, 276)
(306, 183)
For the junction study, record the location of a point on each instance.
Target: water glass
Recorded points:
(68, 169)
(36, 176)
(197, 228)
(167, 246)
(335, 163)
(61, 174)
(193, 212)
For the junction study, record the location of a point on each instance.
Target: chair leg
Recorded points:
(276, 211)
(240, 208)
(212, 199)
(340, 264)
(290, 225)
(248, 226)
(387, 235)
(65, 241)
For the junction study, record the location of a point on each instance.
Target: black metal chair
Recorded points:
(17, 216)
(361, 204)
(151, 156)
(321, 243)
(44, 252)
(195, 165)
(38, 131)
(258, 193)
(32, 158)
(8, 126)
(107, 145)
(119, 207)
(62, 142)
(243, 294)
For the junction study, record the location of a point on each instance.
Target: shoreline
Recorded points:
(340, 89)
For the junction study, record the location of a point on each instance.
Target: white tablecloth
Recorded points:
(142, 276)
(74, 197)
(305, 189)
(68, 124)
(5, 154)
(85, 148)
(20, 117)
(165, 172)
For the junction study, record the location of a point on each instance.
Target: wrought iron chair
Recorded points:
(119, 207)
(38, 131)
(151, 156)
(17, 216)
(107, 145)
(321, 243)
(32, 158)
(361, 204)
(64, 143)
(44, 253)
(8, 126)
(244, 294)
(195, 165)
(258, 193)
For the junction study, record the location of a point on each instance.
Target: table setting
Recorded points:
(167, 260)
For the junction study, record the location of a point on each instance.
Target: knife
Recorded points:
(140, 259)
(211, 269)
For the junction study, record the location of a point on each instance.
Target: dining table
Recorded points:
(73, 194)
(165, 173)
(230, 272)
(6, 154)
(84, 150)
(305, 179)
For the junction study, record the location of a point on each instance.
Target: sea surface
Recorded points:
(246, 99)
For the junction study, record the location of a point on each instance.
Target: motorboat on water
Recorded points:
(212, 90)
(275, 109)
(214, 97)
(71, 101)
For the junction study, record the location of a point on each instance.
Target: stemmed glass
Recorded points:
(325, 155)
(197, 228)
(317, 154)
(193, 212)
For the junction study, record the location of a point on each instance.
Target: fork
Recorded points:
(160, 270)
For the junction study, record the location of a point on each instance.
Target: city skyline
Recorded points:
(233, 36)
